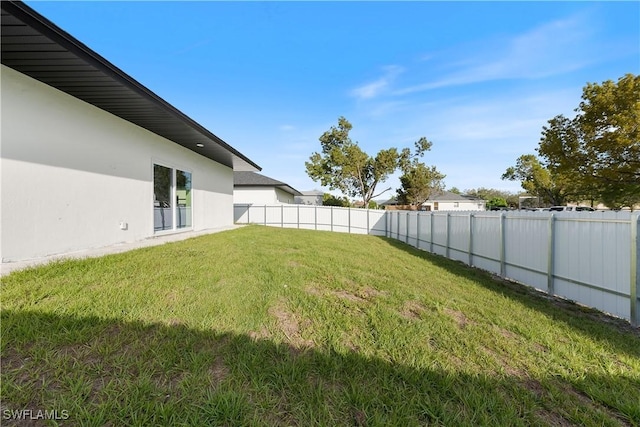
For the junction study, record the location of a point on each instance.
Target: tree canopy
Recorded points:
(342, 165)
(331, 200)
(538, 180)
(489, 194)
(419, 182)
(598, 150)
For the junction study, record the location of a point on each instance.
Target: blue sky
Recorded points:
(478, 79)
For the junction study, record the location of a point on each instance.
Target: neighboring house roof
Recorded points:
(252, 179)
(445, 196)
(33, 45)
(473, 198)
(392, 201)
(312, 193)
(448, 196)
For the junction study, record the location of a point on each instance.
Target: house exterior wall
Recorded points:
(261, 195)
(284, 197)
(310, 199)
(70, 173)
(457, 205)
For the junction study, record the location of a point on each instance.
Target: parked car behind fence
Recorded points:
(571, 208)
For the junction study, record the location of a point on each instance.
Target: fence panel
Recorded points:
(273, 215)
(307, 217)
(527, 248)
(241, 214)
(412, 228)
(459, 236)
(377, 222)
(424, 231)
(486, 241)
(439, 233)
(588, 257)
(402, 225)
(359, 219)
(591, 266)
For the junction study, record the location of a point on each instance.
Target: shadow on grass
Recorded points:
(111, 372)
(619, 334)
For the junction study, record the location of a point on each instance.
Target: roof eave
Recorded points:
(219, 151)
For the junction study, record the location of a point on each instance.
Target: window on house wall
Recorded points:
(172, 198)
(435, 206)
(456, 204)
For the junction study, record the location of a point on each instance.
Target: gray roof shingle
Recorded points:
(253, 179)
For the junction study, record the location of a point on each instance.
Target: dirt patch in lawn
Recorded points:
(459, 317)
(262, 334)
(348, 296)
(370, 293)
(290, 325)
(504, 363)
(218, 371)
(361, 295)
(552, 419)
(412, 310)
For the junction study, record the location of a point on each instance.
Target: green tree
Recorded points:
(497, 202)
(343, 165)
(455, 190)
(538, 180)
(419, 182)
(491, 193)
(331, 200)
(600, 147)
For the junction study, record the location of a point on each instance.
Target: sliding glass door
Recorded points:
(183, 198)
(172, 198)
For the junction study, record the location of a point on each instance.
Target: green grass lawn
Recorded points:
(264, 326)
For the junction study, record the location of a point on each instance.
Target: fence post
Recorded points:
(635, 274)
(349, 221)
(298, 216)
(431, 232)
(448, 230)
(265, 214)
(503, 267)
(248, 212)
(315, 216)
(331, 218)
(398, 225)
(418, 230)
(386, 223)
(470, 239)
(281, 216)
(406, 228)
(551, 248)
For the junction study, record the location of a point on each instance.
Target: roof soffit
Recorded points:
(38, 48)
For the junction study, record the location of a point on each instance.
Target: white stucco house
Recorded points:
(448, 201)
(313, 197)
(251, 188)
(89, 157)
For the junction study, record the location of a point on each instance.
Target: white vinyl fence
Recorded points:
(587, 257)
(328, 218)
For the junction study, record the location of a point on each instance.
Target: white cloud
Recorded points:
(553, 48)
(375, 88)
